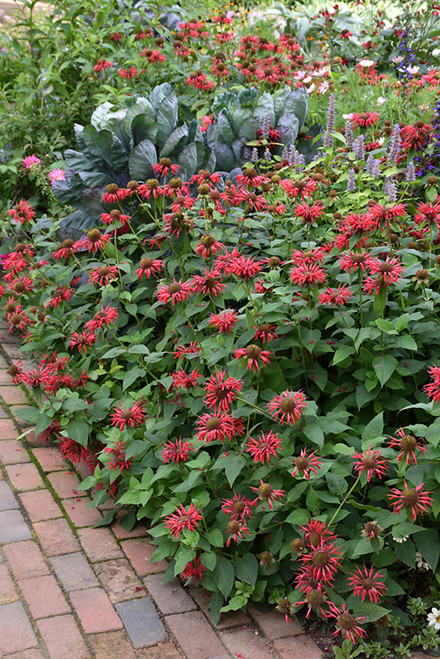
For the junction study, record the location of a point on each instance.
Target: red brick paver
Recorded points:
(25, 559)
(24, 476)
(40, 505)
(43, 596)
(139, 553)
(95, 610)
(63, 638)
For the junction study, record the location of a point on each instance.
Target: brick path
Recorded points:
(68, 590)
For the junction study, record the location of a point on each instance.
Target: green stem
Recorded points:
(343, 501)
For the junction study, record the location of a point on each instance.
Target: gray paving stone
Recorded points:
(7, 499)
(13, 527)
(141, 621)
(3, 413)
(73, 571)
(170, 597)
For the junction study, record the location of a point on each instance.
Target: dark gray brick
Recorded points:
(74, 572)
(7, 499)
(141, 621)
(13, 527)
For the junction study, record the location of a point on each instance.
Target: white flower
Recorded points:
(347, 116)
(381, 100)
(434, 619)
(400, 540)
(311, 88)
(398, 59)
(299, 75)
(412, 69)
(323, 87)
(307, 79)
(421, 564)
(366, 62)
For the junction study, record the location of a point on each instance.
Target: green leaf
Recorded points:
(246, 568)
(313, 501)
(215, 537)
(299, 516)
(29, 414)
(183, 557)
(78, 431)
(373, 429)
(209, 560)
(384, 325)
(215, 606)
(405, 341)
(341, 354)
(384, 366)
(380, 301)
(223, 575)
(428, 544)
(401, 322)
(233, 467)
(370, 611)
(131, 377)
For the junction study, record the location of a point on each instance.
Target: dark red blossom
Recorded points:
(177, 451)
(366, 584)
(414, 498)
(262, 448)
(215, 427)
(221, 391)
(183, 519)
(407, 445)
(256, 357)
(131, 416)
(370, 462)
(118, 460)
(288, 407)
(239, 507)
(306, 465)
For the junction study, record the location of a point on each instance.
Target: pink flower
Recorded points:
(56, 175)
(31, 161)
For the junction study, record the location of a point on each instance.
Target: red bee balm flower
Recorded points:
(432, 389)
(346, 624)
(239, 507)
(193, 571)
(215, 427)
(254, 354)
(118, 461)
(176, 292)
(371, 462)
(364, 119)
(323, 562)
(288, 406)
(149, 267)
(365, 584)
(183, 519)
(267, 493)
(235, 529)
(306, 464)
(132, 416)
(407, 445)
(221, 391)
(224, 321)
(411, 497)
(262, 448)
(176, 451)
